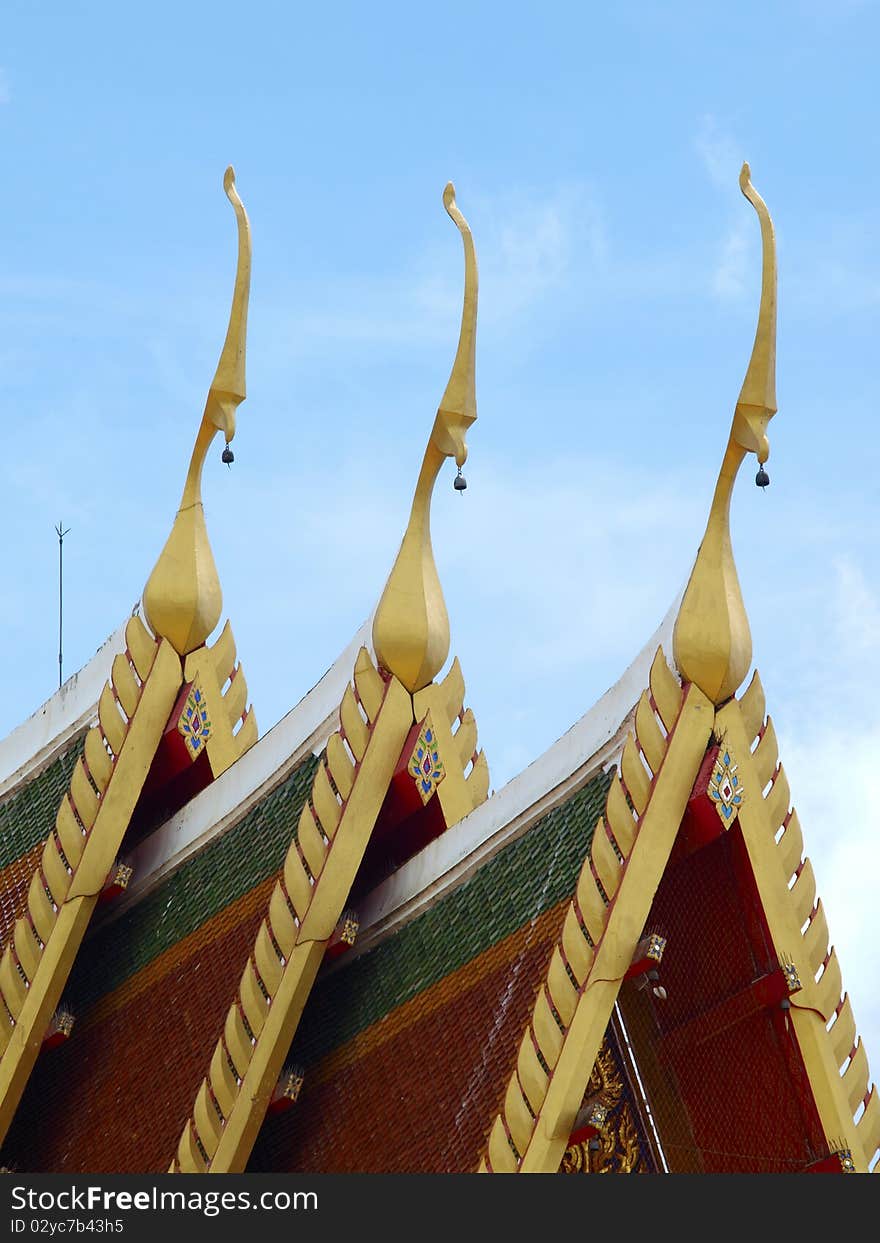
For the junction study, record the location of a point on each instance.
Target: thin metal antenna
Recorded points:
(60, 532)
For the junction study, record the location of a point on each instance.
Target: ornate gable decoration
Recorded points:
(425, 765)
(725, 788)
(193, 725)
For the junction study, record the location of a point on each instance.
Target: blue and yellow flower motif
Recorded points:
(725, 788)
(193, 724)
(425, 765)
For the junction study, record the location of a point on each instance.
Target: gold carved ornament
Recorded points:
(411, 625)
(712, 642)
(615, 1148)
(182, 598)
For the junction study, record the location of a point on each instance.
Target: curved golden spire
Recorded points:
(182, 598)
(411, 625)
(712, 643)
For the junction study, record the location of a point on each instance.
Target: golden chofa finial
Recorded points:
(411, 625)
(182, 598)
(712, 643)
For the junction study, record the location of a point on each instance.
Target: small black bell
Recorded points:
(762, 479)
(459, 482)
(228, 456)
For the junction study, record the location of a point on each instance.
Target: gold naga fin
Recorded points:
(182, 598)
(712, 642)
(459, 401)
(228, 385)
(411, 625)
(757, 398)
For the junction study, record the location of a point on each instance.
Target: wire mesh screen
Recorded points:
(711, 1037)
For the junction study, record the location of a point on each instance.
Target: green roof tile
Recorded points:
(27, 815)
(227, 868)
(526, 878)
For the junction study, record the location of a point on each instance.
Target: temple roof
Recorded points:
(309, 913)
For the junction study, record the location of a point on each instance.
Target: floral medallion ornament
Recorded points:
(425, 765)
(193, 723)
(725, 788)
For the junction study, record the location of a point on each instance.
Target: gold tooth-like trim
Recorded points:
(71, 834)
(269, 965)
(311, 840)
(207, 1123)
(98, 759)
(40, 906)
(456, 734)
(113, 727)
(500, 1158)
(650, 737)
(753, 705)
(58, 877)
(843, 1032)
(27, 947)
(636, 780)
(803, 893)
(855, 1078)
(340, 766)
(296, 881)
(829, 987)
(868, 1128)
(72, 868)
(327, 807)
(355, 729)
(766, 754)
(665, 690)
(606, 864)
(189, 1157)
(140, 647)
(563, 993)
(621, 821)
(224, 655)
(576, 948)
(778, 800)
(816, 937)
(12, 986)
(592, 907)
(532, 1075)
(290, 903)
(368, 684)
(453, 690)
(235, 698)
(83, 795)
(477, 780)
(558, 1000)
(791, 845)
(825, 993)
(466, 738)
(125, 684)
(517, 1115)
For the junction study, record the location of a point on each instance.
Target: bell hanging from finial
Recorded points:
(459, 483)
(227, 456)
(762, 479)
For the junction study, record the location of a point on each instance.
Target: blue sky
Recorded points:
(596, 155)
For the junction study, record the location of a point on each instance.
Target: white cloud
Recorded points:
(856, 613)
(527, 247)
(532, 246)
(730, 276)
(829, 744)
(720, 152)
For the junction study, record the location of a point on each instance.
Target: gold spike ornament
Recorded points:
(182, 598)
(411, 626)
(712, 643)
